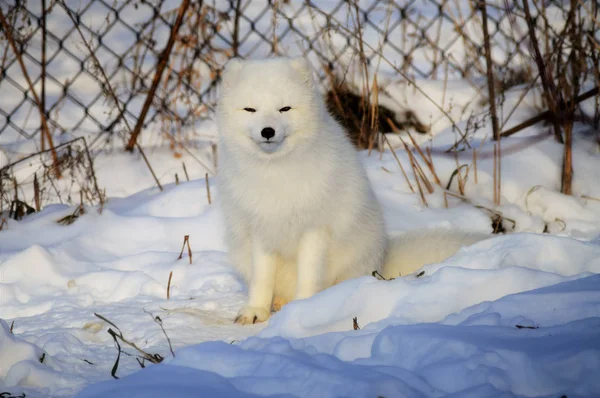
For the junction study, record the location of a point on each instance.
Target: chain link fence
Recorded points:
(92, 63)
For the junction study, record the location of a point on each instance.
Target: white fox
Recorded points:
(300, 214)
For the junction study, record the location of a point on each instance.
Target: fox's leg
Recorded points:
(312, 261)
(278, 302)
(261, 287)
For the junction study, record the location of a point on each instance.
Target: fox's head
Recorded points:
(270, 107)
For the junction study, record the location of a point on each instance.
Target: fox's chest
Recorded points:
(280, 210)
(284, 194)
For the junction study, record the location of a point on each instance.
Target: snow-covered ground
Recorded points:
(514, 315)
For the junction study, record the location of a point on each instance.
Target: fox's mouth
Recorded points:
(270, 146)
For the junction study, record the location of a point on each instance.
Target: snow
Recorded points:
(514, 315)
(475, 353)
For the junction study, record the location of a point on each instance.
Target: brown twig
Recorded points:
(118, 335)
(187, 177)
(207, 188)
(186, 240)
(169, 285)
(547, 115)
(235, 39)
(417, 167)
(44, 123)
(416, 174)
(490, 72)
(399, 164)
(159, 321)
(496, 193)
(36, 193)
(552, 95)
(213, 148)
(162, 63)
(87, 152)
(428, 161)
(43, 65)
(475, 165)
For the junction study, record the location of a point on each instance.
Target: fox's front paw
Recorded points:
(249, 315)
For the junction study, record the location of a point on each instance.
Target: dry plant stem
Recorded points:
(427, 161)
(235, 39)
(445, 87)
(154, 358)
(36, 98)
(162, 63)
(101, 196)
(213, 147)
(499, 171)
(187, 177)
(458, 174)
(366, 97)
(363, 61)
(186, 240)
(398, 161)
(36, 193)
(111, 93)
(374, 113)
(461, 181)
(158, 320)
(550, 91)
(392, 65)
(490, 72)
(275, 5)
(496, 198)
(494, 174)
(463, 198)
(87, 153)
(417, 172)
(207, 188)
(169, 284)
(518, 103)
(567, 170)
(549, 114)
(475, 165)
(197, 160)
(43, 72)
(412, 163)
(418, 168)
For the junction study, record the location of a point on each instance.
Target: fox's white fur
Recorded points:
(412, 250)
(300, 214)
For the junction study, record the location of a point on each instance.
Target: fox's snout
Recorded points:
(268, 133)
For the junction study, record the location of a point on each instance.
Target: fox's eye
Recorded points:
(285, 109)
(252, 110)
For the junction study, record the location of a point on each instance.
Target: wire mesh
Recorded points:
(429, 39)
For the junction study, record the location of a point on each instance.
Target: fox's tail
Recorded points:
(412, 250)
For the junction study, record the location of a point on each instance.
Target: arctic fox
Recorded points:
(300, 214)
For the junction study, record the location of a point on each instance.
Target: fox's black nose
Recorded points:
(268, 133)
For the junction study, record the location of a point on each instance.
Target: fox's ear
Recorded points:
(302, 66)
(231, 70)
